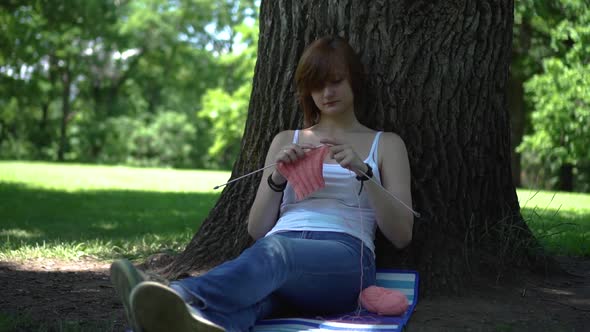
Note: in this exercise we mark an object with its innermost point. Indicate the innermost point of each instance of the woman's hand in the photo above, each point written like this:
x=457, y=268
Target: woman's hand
x=288, y=154
x=292, y=152
x=345, y=155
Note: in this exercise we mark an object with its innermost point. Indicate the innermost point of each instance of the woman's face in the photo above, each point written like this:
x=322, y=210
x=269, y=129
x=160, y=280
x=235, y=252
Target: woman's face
x=334, y=97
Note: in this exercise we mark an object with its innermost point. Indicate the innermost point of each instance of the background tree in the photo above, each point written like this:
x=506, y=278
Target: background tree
x=127, y=65
x=225, y=107
x=557, y=145
x=539, y=35
x=437, y=73
x=94, y=81
x=531, y=38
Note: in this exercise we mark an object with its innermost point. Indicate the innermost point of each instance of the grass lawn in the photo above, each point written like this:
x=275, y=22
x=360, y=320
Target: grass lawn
x=67, y=211
x=560, y=220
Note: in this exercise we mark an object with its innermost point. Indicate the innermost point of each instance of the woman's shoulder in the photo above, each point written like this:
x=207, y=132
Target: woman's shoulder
x=365, y=131
x=288, y=132
x=284, y=137
x=391, y=140
x=389, y=136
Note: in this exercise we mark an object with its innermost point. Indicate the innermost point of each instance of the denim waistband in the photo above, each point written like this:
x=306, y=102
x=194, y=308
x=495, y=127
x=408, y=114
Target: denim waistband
x=320, y=235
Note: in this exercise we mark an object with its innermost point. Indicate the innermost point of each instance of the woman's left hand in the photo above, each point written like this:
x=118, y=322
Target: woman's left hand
x=345, y=155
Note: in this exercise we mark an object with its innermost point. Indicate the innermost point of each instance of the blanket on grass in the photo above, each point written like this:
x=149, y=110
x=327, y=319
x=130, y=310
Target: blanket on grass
x=402, y=280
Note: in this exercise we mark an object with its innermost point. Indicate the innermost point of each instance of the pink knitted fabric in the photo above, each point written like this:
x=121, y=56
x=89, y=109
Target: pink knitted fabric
x=306, y=174
x=383, y=301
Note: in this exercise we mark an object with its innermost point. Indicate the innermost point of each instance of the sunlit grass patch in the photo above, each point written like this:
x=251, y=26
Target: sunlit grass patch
x=77, y=177
x=101, y=249
x=16, y=233
x=561, y=221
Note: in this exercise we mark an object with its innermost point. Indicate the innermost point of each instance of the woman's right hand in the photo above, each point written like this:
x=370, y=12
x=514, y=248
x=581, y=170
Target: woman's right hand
x=288, y=154
x=292, y=152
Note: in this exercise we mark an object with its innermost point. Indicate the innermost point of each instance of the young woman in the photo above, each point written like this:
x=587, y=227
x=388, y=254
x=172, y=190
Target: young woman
x=318, y=255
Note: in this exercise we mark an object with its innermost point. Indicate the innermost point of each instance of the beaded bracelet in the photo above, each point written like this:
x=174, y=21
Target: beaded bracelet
x=275, y=187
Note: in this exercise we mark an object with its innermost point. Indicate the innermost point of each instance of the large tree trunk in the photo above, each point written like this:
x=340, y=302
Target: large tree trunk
x=437, y=72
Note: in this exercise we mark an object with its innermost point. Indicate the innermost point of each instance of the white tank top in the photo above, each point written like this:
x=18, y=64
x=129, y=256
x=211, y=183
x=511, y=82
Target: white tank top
x=334, y=208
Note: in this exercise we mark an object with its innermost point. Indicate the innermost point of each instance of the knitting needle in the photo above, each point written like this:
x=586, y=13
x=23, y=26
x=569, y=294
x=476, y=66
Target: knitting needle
x=258, y=170
x=243, y=176
x=416, y=214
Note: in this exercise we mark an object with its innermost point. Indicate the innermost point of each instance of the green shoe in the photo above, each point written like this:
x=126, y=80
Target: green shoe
x=125, y=277
x=159, y=308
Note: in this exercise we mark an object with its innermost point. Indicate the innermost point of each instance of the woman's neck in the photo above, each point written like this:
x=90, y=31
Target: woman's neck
x=336, y=125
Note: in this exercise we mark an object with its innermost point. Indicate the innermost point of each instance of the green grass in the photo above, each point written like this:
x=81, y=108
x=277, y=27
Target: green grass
x=68, y=211
x=560, y=220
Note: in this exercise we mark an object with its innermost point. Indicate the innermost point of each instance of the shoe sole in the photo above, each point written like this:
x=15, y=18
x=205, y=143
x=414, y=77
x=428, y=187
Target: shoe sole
x=125, y=277
x=158, y=308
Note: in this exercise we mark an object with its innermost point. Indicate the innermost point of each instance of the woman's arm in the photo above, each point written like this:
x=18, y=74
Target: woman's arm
x=265, y=209
x=394, y=219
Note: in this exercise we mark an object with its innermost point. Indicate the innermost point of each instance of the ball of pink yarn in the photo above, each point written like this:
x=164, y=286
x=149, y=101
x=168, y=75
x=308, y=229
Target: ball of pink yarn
x=383, y=301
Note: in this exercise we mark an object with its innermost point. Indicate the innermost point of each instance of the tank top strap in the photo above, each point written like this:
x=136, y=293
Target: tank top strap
x=375, y=147
x=296, y=136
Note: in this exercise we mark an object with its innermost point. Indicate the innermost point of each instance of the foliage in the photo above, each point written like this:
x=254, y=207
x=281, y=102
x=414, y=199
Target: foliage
x=167, y=83
x=227, y=115
x=168, y=140
x=533, y=21
x=544, y=31
x=561, y=99
x=226, y=108
x=98, y=81
x=163, y=139
x=15, y=148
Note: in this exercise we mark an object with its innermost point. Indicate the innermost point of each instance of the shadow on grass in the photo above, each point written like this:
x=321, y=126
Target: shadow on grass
x=37, y=217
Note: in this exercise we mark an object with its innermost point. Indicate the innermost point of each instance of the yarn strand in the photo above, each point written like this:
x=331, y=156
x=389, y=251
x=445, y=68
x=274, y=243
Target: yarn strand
x=359, y=307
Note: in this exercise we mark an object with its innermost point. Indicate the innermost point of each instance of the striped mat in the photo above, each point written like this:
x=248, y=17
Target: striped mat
x=402, y=280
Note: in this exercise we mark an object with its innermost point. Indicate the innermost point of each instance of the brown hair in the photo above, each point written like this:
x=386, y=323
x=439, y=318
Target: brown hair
x=323, y=60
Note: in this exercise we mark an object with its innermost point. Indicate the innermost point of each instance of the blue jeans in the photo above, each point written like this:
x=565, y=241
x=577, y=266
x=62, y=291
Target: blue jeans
x=311, y=272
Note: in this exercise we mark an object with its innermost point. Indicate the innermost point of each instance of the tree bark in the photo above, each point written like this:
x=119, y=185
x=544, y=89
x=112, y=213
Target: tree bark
x=516, y=109
x=42, y=138
x=44, y=135
x=65, y=100
x=436, y=76
x=566, y=177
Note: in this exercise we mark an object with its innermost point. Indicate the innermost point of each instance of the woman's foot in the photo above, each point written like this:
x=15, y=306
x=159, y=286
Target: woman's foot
x=125, y=277
x=159, y=308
